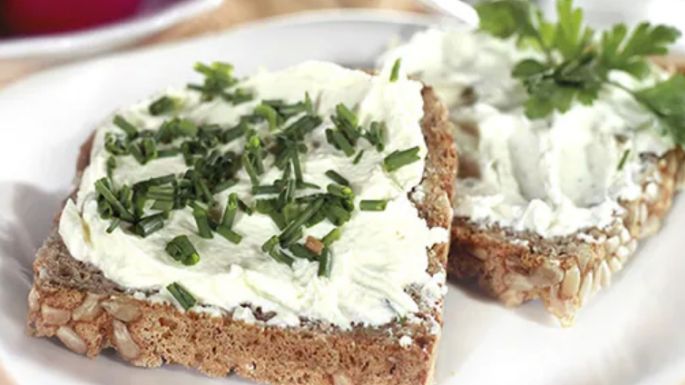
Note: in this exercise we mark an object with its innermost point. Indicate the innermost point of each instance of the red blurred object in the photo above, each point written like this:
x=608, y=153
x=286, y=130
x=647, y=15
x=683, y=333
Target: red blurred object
x=32, y=17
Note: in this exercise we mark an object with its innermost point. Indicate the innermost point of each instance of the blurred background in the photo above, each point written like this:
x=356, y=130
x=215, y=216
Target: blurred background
x=35, y=34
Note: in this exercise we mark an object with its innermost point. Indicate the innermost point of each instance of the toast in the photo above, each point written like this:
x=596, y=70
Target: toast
x=87, y=312
x=514, y=250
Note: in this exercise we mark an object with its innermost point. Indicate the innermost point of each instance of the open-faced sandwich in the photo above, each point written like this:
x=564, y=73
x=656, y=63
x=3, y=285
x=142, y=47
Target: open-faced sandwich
x=569, y=145
x=290, y=227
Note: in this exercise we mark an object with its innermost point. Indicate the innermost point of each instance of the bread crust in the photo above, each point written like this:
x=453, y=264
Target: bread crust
x=89, y=313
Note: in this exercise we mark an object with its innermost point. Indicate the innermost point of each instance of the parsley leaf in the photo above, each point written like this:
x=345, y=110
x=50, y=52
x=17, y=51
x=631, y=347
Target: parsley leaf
x=631, y=55
x=666, y=100
x=577, y=64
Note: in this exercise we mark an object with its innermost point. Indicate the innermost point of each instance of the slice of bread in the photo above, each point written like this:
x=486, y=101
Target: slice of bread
x=564, y=272
x=88, y=313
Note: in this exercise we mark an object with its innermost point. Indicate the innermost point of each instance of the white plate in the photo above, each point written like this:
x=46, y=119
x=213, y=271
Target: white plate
x=100, y=39
x=631, y=333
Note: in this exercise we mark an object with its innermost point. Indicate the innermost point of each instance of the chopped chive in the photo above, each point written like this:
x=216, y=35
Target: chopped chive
x=111, y=165
x=375, y=135
x=163, y=105
x=102, y=188
x=229, y=234
x=230, y=211
x=395, y=72
x=161, y=193
x=304, y=185
x=130, y=130
x=253, y=148
x=402, y=158
x=182, y=250
x=298, y=129
x=281, y=257
x=202, y=190
x=293, y=227
x=337, y=178
x=169, y=152
x=264, y=206
x=339, y=190
x=244, y=207
x=184, y=298
x=332, y=236
x=341, y=141
x=346, y=121
x=160, y=180
x=271, y=247
x=113, y=225
x=225, y=185
x=249, y=169
x=270, y=244
x=148, y=225
x=202, y=222
x=346, y=115
x=308, y=198
x=162, y=205
x=325, y=263
x=358, y=157
x=373, y=205
x=266, y=189
x=234, y=133
x=269, y=114
x=300, y=251
x=336, y=214
x=115, y=145
x=623, y=160
x=297, y=167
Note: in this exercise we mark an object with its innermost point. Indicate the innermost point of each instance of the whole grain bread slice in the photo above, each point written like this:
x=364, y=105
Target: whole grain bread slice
x=88, y=313
x=564, y=272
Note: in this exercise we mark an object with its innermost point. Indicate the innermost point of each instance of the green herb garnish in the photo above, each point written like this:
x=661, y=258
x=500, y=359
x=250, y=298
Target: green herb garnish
x=204, y=229
x=373, y=205
x=130, y=130
x=398, y=159
x=103, y=188
x=182, y=250
x=148, y=225
x=576, y=62
x=395, y=72
x=332, y=236
x=229, y=234
x=184, y=298
x=337, y=178
x=358, y=157
x=325, y=263
x=164, y=105
x=623, y=160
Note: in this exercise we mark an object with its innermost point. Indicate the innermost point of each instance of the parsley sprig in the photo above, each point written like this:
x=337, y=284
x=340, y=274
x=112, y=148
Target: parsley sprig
x=576, y=61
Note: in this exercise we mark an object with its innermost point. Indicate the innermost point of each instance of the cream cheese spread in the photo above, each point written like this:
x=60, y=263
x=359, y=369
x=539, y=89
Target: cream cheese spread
x=379, y=254
x=551, y=176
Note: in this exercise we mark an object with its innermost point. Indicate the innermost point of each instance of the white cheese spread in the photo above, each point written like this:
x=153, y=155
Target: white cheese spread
x=551, y=176
x=377, y=257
